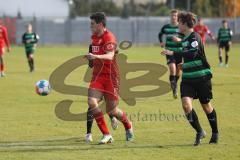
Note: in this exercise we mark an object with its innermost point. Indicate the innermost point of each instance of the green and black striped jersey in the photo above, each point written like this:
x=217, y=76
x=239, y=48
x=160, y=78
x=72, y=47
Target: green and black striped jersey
x=224, y=35
x=169, y=31
x=29, y=40
x=195, y=67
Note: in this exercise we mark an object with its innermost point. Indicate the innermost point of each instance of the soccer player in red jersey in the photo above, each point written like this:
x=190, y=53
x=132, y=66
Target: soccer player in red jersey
x=3, y=41
x=90, y=118
x=105, y=79
x=202, y=29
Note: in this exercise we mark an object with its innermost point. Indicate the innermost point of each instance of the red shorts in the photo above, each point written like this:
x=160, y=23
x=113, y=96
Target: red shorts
x=2, y=51
x=108, y=86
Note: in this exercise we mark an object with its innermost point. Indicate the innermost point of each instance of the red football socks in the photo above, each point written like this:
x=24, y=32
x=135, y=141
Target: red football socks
x=1, y=67
x=124, y=120
x=101, y=123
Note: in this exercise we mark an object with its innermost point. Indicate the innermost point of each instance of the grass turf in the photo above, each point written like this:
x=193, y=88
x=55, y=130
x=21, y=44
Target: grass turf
x=29, y=128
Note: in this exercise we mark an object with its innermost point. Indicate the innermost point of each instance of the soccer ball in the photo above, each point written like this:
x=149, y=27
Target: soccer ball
x=43, y=88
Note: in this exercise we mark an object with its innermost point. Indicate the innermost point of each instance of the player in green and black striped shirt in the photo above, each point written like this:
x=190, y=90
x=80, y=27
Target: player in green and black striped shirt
x=196, y=77
x=172, y=42
x=224, y=41
x=30, y=39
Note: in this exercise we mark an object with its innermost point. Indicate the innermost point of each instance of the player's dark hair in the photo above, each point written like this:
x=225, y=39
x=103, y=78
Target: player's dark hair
x=187, y=18
x=224, y=21
x=174, y=11
x=99, y=17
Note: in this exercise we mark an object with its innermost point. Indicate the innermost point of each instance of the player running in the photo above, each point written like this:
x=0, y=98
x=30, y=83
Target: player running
x=114, y=122
x=224, y=42
x=105, y=79
x=173, y=38
x=202, y=29
x=30, y=39
x=3, y=41
x=196, y=78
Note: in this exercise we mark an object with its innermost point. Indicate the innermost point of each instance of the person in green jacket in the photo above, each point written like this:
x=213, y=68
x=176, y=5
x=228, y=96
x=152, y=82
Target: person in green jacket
x=30, y=40
x=196, y=77
x=224, y=42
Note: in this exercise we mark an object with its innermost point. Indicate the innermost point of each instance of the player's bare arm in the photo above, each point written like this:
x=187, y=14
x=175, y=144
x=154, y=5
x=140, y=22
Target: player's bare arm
x=176, y=39
x=108, y=56
x=167, y=52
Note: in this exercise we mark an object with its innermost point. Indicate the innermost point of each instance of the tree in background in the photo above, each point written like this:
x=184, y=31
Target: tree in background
x=224, y=8
x=19, y=14
x=210, y=8
x=125, y=11
x=215, y=8
x=181, y=5
x=232, y=8
x=130, y=8
x=86, y=7
x=203, y=8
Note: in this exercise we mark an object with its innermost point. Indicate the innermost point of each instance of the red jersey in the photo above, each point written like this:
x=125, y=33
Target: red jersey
x=202, y=30
x=101, y=45
x=3, y=37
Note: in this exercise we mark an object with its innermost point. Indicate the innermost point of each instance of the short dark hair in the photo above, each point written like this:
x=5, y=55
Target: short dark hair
x=99, y=17
x=224, y=21
x=174, y=11
x=187, y=18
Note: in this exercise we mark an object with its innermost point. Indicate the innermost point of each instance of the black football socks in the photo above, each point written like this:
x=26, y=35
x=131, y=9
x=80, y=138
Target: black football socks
x=193, y=120
x=89, y=121
x=212, y=118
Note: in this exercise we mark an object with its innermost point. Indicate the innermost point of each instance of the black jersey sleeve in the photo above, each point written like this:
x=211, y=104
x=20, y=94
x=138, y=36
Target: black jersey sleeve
x=218, y=36
x=160, y=35
x=190, y=47
x=23, y=39
x=90, y=62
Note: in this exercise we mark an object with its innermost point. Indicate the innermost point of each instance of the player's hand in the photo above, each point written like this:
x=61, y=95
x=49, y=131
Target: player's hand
x=179, y=66
x=90, y=56
x=176, y=39
x=28, y=41
x=162, y=44
x=230, y=43
x=167, y=52
x=213, y=38
x=90, y=63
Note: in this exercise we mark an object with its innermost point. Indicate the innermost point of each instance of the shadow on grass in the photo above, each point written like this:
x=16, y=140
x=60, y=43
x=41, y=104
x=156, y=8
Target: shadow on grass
x=76, y=144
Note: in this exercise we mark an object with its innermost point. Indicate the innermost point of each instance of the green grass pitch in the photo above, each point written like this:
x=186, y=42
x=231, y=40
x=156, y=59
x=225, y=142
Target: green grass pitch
x=30, y=130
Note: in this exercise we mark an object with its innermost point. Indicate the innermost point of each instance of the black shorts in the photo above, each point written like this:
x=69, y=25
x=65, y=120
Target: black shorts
x=173, y=59
x=197, y=90
x=28, y=53
x=224, y=45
